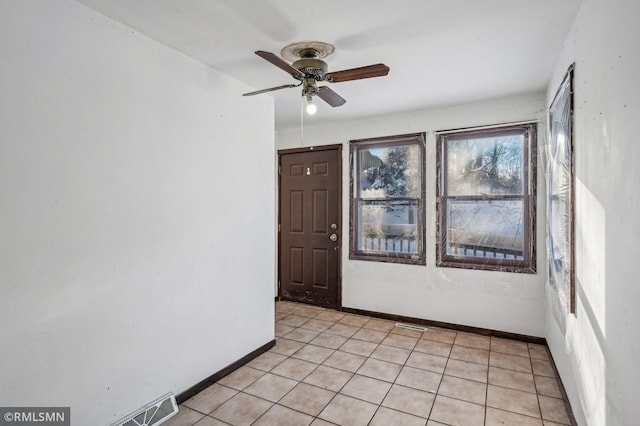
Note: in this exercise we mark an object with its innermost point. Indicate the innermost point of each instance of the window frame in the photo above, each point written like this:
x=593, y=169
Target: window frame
x=355, y=146
x=528, y=197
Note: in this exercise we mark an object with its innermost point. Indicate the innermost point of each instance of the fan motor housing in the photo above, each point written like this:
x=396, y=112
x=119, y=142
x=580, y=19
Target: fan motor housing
x=311, y=67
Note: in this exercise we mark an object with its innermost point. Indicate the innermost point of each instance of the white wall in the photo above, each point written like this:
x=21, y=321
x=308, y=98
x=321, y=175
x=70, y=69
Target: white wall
x=597, y=350
x=500, y=301
x=130, y=177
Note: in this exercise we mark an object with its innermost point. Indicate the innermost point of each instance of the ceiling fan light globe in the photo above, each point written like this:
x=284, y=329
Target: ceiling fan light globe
x=311, y=108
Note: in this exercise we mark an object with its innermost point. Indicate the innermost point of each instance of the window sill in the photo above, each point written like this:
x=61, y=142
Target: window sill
x=388, y=258
x=520, y=268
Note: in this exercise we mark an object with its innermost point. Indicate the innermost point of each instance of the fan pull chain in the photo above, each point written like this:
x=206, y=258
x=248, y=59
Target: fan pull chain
x=301, y=121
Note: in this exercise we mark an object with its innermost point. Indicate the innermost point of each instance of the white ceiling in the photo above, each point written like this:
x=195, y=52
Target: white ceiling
x=440, y=52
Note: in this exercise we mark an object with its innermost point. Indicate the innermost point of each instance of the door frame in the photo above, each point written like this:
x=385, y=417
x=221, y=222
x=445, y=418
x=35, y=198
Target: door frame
x=281, y=152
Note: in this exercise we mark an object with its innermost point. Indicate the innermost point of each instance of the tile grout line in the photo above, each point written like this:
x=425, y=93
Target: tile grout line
x=535, y=386
x=486, y=396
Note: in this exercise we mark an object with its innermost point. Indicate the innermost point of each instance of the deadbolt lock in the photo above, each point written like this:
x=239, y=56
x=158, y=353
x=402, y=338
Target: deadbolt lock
x=333, y=237
x=334, y=226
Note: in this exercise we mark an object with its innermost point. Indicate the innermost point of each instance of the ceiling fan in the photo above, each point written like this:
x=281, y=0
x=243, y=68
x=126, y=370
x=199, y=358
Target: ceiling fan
x=309, y=68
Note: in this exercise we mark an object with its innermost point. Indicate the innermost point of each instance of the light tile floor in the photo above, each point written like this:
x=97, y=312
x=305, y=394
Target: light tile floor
x=331, y=367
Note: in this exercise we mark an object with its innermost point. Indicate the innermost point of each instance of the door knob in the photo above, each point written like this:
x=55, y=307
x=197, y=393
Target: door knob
x=333, y=237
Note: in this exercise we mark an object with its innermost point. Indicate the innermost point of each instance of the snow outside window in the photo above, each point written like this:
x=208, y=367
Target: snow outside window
x=387, y=199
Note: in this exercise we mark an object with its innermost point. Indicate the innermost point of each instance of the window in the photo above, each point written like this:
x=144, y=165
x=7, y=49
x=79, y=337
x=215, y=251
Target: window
x=486, y=199
x=387, y=199
x=560, y=195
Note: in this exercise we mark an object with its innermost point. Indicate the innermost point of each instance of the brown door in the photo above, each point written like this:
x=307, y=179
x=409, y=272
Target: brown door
x=310, y=231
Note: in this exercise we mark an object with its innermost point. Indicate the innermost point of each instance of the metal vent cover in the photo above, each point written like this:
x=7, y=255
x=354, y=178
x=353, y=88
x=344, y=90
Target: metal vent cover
x=154, y=413
x=411, y=326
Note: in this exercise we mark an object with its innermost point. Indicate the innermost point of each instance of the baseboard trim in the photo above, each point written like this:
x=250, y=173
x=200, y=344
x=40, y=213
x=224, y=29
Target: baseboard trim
x=458, y=327
x=202, y=385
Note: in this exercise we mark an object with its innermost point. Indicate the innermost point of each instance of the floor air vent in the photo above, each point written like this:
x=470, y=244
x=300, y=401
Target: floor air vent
x=152, y=414
x=411, y=327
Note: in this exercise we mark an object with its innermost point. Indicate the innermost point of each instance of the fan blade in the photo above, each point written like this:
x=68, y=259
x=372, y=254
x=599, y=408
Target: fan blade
x=330, y=97
x=377, y=70
x=270, y=57
x=257, y=92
